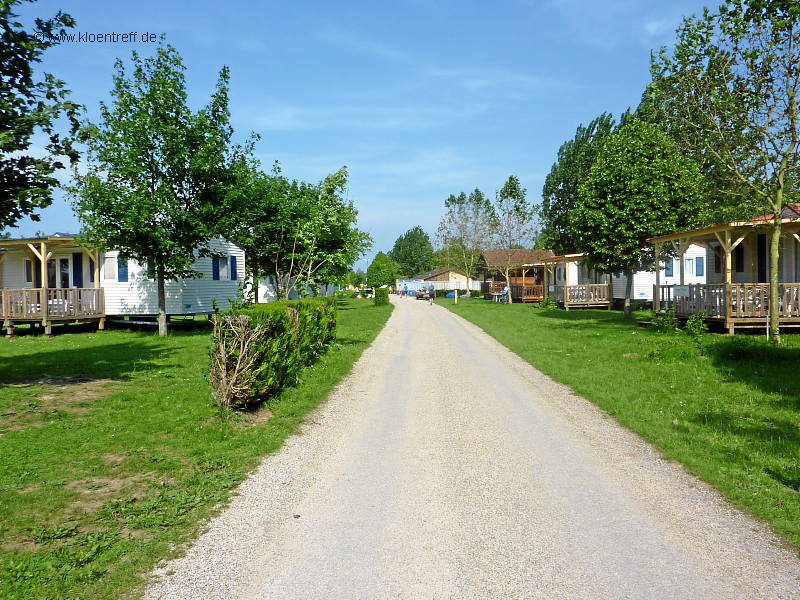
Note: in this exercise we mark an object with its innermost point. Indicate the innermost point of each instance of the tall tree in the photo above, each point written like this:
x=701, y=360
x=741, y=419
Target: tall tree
x=514, y=223
x=730, y=86
x=639, y=187
x=465, y=229
x=560, y=191
x=27, y=106
x=382, y=270
x=301, y=235
x=413, y=251
x=157, y=172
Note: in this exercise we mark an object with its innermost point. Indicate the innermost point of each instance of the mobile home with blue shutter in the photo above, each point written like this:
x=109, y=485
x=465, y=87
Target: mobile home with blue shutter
x=54, y=279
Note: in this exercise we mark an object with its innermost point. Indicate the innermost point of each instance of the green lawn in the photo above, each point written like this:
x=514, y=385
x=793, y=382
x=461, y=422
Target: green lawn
x=113, y=451
x=727, y=408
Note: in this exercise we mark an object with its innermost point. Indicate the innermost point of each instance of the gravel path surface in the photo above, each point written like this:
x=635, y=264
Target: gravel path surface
x=444, y=466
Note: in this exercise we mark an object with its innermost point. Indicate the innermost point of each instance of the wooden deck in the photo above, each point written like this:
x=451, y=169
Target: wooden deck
x=519, y=292
x=51, y=305
x=735, y=304
x=589, y=295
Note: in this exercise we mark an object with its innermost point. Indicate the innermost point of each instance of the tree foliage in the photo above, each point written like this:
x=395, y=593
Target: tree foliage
x=27, y=106
x=301, y=235
x=157, y=172
x=560, y=191
x=413, y=252
x=730, y=87
x=513, y=222
x=382, y=270
x=640, y=186
x=465, y=230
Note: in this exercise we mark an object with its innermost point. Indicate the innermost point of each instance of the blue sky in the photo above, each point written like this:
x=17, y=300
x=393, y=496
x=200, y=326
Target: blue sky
x=418, y=98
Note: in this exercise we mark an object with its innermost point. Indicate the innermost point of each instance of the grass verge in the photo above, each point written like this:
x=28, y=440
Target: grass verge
x=727, y=408
x=113, y=452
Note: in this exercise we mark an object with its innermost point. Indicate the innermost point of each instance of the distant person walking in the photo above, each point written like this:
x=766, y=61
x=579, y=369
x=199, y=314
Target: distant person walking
x=405, y=290
x=431, y=294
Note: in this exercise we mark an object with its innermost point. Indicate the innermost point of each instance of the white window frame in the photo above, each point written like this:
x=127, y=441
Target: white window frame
x=689, y=266
x=28, y=266
x=224, y=264
x=109, y=260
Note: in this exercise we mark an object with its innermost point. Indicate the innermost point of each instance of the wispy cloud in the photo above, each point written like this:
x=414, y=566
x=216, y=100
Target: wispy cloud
x=364, y=45
x=501, y=83
x=290, y=117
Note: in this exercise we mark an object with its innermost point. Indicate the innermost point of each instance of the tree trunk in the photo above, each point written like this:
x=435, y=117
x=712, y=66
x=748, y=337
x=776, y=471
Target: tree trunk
x=774, y=304
x=254, y=274
x=508, y=286
x=162, y=302
x=626, y=308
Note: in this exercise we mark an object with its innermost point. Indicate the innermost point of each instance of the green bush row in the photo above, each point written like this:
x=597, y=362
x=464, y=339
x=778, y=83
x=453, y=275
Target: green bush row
x=260, y=349
x=381, y=296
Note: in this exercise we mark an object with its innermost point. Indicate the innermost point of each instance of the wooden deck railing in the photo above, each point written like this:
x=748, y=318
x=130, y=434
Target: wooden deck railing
x=524, y=293
x=58, y=303
x=587, y=293
x=747, y=300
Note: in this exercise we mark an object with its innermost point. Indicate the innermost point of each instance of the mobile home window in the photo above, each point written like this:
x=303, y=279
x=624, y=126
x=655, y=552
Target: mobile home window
x=221, y=268
x=689, y=266
x=669, y=268
x=700, y=266
x=110, y=268
x=122, y=269
x=28, y=271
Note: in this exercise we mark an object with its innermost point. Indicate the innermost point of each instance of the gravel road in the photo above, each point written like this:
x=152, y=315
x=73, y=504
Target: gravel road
x=445, y=467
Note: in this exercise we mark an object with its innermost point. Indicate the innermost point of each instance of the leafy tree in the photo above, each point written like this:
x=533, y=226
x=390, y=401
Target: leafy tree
x=413, y=251
x=300, y=234
x=249, y=204
x=730, y=89
x=513, y=222
x=560, y=191
x=157, y=172
x=465, y=230
x=28, y=106
x=382, y=270
x=640, y=186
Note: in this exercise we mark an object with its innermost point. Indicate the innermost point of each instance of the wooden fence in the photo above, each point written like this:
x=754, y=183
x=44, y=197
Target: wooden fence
x=52, y=303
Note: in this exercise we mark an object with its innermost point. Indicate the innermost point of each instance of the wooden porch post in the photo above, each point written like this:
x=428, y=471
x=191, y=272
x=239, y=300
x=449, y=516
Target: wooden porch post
x=680, y=247
x=657, y=290
x=43, y=297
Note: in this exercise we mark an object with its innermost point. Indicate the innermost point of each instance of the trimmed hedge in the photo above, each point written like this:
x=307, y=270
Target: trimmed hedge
x=381, y=297
x=259, y=350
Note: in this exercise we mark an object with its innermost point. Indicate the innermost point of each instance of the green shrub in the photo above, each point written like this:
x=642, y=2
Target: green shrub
x=664, y=322
x=346, y=294
x=381, y=297
x=258, y=351
x=547, y=303
x=475, y=294
x=696, y=325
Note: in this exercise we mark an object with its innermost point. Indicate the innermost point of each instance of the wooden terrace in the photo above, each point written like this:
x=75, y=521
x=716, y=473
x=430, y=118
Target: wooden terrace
x=736, y=304
x=571, y=294
x=46, y=303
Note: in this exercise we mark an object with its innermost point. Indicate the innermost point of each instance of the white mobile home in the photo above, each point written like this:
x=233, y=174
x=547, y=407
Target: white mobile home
x=572, y=283
x=55, y=279
x=695, y=271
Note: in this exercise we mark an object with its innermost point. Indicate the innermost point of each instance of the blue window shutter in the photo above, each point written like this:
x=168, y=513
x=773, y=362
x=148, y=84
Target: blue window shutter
x=699, y=266
x=214, y=267
x=77, y=269
x=122, y=269
x=669, y=268
x=233, y=268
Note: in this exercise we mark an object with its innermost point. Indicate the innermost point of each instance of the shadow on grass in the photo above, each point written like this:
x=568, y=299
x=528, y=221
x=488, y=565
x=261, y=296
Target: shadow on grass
x=760, y=365
x=104, y=361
